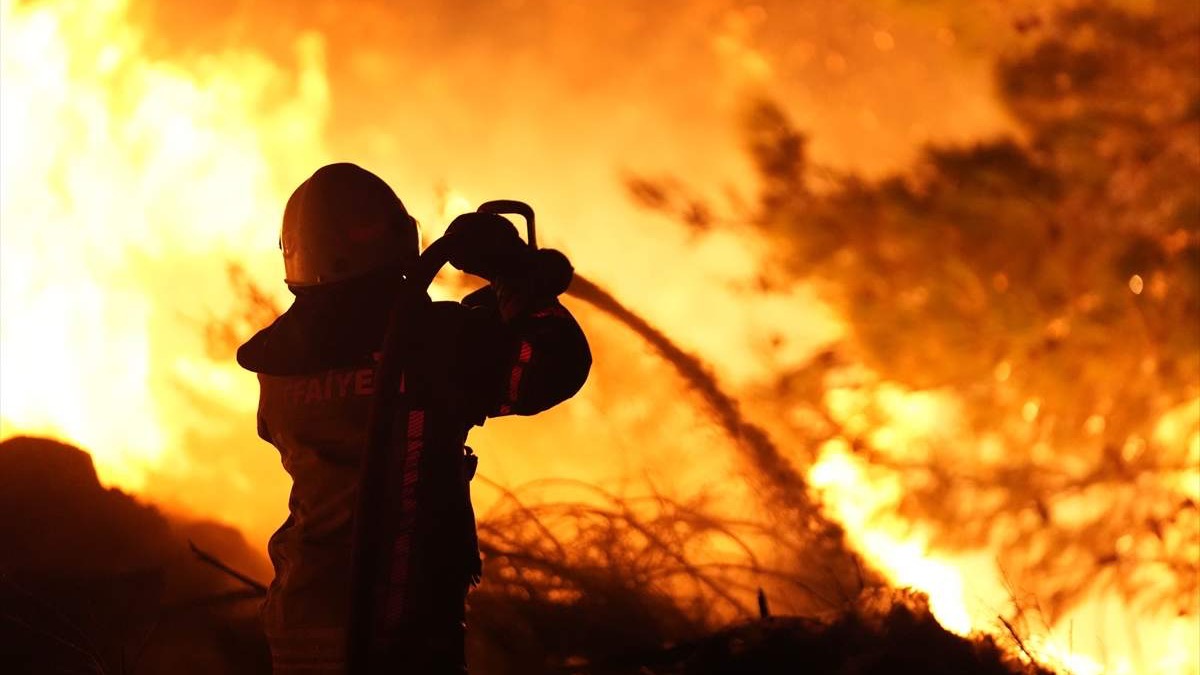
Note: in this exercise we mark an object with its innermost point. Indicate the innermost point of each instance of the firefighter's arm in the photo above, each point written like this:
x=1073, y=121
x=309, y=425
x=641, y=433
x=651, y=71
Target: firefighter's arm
x=541, y=354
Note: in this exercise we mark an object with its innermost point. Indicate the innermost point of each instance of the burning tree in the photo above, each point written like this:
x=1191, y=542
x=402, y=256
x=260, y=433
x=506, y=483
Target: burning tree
x=1045, y=287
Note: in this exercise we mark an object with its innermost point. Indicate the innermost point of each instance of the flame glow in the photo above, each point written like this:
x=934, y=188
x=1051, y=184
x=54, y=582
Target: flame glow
x=123, y=178
x=967, y=592
x=857, y=503
x=129, y=179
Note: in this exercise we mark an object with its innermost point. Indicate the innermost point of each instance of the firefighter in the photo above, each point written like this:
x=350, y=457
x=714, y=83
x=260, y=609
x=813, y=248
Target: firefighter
x=510, y=348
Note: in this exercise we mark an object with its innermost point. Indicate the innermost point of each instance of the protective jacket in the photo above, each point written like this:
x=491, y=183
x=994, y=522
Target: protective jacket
x=317, y=365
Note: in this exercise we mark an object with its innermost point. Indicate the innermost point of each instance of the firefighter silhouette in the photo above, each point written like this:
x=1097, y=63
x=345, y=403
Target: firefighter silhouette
x=375, y=580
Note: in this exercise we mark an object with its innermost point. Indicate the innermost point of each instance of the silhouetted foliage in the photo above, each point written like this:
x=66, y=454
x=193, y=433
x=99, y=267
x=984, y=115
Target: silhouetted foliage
x=99, y=583
x=814, y=545
x=1049, y=286
x=886, y=631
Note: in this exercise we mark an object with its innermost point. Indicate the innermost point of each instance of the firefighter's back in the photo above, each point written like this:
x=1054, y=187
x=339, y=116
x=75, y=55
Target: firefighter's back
x=317, y=366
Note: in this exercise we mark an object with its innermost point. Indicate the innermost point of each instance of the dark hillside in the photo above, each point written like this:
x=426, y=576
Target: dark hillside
x=93, y=581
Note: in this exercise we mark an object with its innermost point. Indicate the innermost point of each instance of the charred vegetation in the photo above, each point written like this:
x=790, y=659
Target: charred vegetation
x=100, y=583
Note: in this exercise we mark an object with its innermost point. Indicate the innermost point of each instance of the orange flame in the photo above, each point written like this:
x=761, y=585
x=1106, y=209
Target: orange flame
x=127, y=180
x=123, y=179
x=968, y=592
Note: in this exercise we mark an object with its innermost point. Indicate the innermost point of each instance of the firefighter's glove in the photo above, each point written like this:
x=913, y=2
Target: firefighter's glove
x=545, y=275
x=487, y=245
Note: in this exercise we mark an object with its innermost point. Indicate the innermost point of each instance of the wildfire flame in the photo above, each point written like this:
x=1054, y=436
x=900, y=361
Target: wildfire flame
x=129, y=179
x=124, y=177
x=968, y=592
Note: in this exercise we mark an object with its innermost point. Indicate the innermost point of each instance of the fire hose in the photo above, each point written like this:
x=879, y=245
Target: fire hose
x=387, y=429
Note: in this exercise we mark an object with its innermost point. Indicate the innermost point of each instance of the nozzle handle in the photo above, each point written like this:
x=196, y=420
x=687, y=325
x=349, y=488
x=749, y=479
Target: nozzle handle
x=513, y=207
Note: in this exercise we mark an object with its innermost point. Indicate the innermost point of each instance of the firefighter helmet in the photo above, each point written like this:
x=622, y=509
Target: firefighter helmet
x=344, y=222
